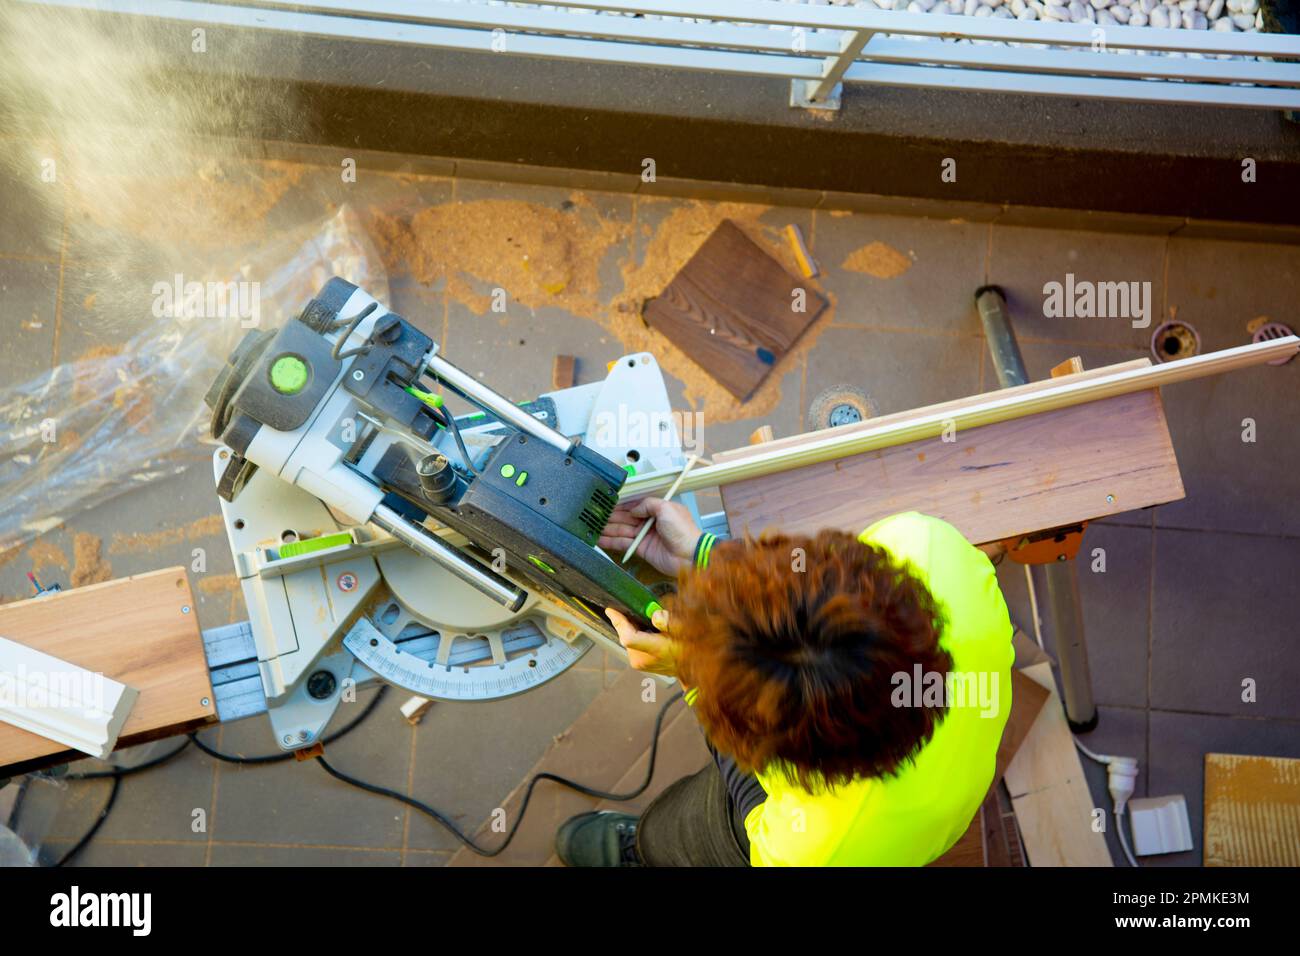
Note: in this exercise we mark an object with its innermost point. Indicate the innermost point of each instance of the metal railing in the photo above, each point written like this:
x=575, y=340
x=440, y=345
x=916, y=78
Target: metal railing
x=818, y=48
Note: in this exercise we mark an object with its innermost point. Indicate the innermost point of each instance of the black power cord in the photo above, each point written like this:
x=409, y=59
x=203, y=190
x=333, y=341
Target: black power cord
x=99, y=822
x=117, y=774
x=528, y=794
x=346, y=729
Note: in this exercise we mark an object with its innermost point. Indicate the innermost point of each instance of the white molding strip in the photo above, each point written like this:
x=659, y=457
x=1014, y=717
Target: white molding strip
x=932, y=421
x=50, y=697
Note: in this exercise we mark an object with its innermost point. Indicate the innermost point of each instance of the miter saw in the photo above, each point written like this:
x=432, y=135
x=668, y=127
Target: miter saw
x=378, y=534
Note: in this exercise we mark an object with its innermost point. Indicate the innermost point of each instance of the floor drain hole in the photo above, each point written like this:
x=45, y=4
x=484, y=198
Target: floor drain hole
x=1274, y=330
x=1175, y=340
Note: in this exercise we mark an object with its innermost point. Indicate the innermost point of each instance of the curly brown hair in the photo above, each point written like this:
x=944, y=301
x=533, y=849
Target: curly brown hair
x=795, y=666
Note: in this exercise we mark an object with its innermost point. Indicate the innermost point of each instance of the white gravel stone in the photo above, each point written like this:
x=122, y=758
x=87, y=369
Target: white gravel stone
x=1199, y=22
x=971, y=7
x=1060, y=14
x=1018, y=7
x=1259, y=20
x=1160, y=18
x=884, y=4
x=983, y=11
x=1105, y=19
x=1100, y=4
x=1243, y=21
x=1234, y=6
x=1029, y=14
x=1224, y=25
x=1138, y=19
x=1076, y=10
x=1215, y=10
x=1120, y=14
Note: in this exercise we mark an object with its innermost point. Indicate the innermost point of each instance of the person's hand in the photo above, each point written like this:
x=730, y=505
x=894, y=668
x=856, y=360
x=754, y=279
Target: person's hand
x=670, y=544
x=655, y=653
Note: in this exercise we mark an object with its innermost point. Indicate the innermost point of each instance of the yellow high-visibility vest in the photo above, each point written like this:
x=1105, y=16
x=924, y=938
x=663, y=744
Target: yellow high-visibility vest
x=913, y=817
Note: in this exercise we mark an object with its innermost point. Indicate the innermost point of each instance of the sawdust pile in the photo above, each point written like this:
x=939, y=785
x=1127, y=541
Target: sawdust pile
x=89, y=565
x=205, y=527
x=539, y=255
x=879, y=260
x=219, y=584
x=552, y=256
x=45, y=555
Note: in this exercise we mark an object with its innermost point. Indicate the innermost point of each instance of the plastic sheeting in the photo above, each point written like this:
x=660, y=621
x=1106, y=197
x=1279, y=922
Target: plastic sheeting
x=105, y=424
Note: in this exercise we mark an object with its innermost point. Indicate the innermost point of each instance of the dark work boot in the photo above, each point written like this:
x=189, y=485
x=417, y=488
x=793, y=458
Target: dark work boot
x=598, y=838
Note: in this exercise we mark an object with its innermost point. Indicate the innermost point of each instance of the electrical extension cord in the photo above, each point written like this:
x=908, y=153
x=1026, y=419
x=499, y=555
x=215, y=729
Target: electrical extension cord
x=117, y=773
x=1121, y=781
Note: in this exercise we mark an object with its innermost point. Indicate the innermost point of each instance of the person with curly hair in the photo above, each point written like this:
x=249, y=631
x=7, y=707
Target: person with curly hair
x=852, y=691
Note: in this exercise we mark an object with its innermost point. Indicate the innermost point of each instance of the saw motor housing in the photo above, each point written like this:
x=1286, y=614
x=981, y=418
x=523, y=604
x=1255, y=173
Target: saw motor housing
x=327, y=403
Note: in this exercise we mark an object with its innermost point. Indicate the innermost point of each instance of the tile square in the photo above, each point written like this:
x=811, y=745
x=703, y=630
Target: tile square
x=902, y=273
x=1224, y=614
x=291, y=802
x=469, y=756
x=898, y=370
x=1023, y=261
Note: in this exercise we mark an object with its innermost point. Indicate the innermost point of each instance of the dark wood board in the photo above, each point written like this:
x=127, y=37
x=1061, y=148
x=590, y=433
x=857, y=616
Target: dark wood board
x=731, y=309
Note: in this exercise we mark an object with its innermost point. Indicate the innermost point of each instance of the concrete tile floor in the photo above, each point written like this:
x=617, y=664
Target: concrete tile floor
x=1195, y=597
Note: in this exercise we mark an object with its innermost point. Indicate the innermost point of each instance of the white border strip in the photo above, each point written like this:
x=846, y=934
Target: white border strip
x=49, y=697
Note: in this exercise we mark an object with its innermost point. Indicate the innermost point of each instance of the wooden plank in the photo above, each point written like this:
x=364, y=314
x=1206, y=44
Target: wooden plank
x=952, y=406
x=1252, y=811
x=936, y=420
x=1027, y=700
x=132, y=630
x=1049, y=791
x=1011, y=478
x=731, y=309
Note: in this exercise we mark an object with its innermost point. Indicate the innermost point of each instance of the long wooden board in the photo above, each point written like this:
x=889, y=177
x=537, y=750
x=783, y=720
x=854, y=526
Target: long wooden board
x=994, y=482
x=134, y=630
x=731, y=308
x=1049, y=791
x=975, y=412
